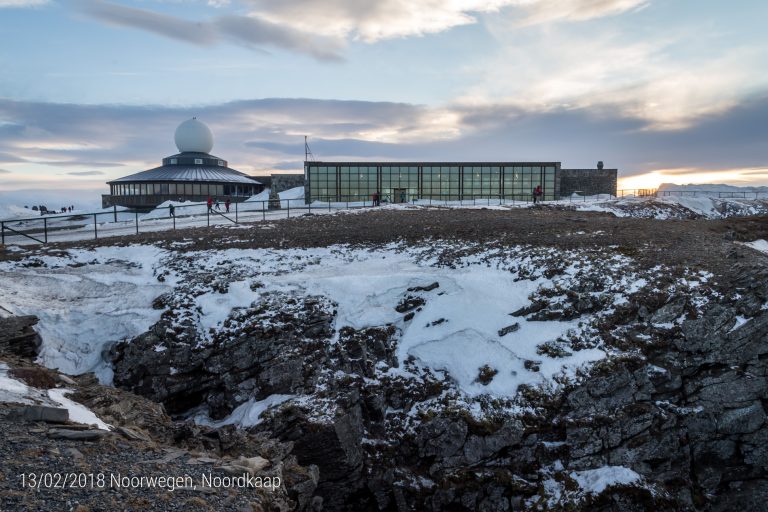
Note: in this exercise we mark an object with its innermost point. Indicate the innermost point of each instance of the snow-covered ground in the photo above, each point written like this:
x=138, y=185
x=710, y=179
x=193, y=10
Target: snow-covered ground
x=678, y=206
x=712, y=189
x=89, y=299
x=86, y=301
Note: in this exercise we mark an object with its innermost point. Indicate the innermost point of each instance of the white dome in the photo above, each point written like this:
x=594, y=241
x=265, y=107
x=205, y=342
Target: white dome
x=194, y=136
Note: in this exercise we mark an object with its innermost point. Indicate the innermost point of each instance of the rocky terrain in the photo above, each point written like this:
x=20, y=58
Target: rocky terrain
x=624, y=370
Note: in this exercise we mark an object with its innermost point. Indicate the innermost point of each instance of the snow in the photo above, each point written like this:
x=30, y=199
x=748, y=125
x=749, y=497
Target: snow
x=9, y=211
x=86, y=300
x=78, y=413
x=261, y=196
x=293, y=197
x=714, y=188
x=247, y=414
x=740, y=320
x=759, y=245
x=13, y=390
x=366, y=286
x=216, y=307
x=183, y=208
x=597, y=480
x=89, y=299
x=684, y=201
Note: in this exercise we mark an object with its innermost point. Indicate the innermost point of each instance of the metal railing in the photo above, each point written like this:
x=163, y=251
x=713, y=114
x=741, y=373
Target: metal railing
x=718, y=194
x=93, y=225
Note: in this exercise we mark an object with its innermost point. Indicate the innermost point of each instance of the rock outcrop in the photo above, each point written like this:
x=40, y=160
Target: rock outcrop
x=679, y=403
x=18, y=337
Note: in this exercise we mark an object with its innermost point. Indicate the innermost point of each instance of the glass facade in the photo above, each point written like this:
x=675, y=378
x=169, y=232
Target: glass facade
x=182, y=189
x=405, y=181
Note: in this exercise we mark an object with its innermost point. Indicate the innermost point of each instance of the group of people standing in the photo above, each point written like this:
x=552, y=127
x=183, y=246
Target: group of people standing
x=44, y=209
x=213, y=204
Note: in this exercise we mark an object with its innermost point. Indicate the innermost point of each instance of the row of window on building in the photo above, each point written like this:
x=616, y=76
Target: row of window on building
x=182, y=189
x=437, y=182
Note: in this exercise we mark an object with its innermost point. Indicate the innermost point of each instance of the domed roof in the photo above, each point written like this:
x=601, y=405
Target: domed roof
x=194, y=136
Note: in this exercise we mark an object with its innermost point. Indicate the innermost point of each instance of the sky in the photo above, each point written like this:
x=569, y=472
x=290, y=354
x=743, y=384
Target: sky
x=663, y=90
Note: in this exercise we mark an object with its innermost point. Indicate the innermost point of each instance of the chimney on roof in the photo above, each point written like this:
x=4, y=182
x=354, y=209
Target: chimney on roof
x=600, y=165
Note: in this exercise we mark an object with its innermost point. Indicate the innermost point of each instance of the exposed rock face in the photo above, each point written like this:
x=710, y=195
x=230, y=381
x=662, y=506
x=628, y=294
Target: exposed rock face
x=681, y=403
x=274, y=351
x=18, y=337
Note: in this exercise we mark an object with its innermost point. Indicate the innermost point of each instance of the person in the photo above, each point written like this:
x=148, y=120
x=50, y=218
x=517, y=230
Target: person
x=210, y=204
x=378, y=198
x=217, y=205
x=536, y=193
x=375, y=198
x=402, y=197
x=171, y=211
x=226, y=204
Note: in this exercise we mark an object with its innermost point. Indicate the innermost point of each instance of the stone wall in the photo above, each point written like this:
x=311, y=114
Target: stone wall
x=281, y=182
x=587, y=181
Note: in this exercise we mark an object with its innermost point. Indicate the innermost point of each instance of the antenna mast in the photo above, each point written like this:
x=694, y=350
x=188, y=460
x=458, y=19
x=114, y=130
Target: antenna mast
x=307, y=152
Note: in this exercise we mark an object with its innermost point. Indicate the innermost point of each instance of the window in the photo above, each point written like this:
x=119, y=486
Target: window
x=174, y=161
x=221, y=163
x=198, y=161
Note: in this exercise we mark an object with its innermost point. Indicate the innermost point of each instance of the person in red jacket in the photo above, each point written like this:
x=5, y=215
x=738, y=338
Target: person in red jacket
x=537, y=193
x=210, y=204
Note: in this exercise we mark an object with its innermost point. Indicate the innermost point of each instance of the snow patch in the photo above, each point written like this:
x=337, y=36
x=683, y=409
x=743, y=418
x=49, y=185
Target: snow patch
x=759, y=245
x=247, y=414
x=597, y=480
x=78, y=413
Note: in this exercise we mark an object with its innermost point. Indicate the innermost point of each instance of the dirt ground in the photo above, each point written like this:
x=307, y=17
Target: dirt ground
x=708, y=244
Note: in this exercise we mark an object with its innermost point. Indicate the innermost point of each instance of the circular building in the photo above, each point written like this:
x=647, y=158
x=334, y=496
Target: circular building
x=191, y=175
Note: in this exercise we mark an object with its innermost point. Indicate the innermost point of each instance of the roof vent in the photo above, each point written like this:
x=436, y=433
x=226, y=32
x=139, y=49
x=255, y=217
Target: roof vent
x=600, y=165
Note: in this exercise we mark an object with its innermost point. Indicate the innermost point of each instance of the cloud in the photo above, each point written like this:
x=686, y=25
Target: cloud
x=86, y=173
x=374, y=20
x=247, y=31
x=3, y=171
x=81, y=163
x=543, y=11
x=21, y=3
x=9, y=158
x=268, y=135
x=322, y=29
x=541, y=69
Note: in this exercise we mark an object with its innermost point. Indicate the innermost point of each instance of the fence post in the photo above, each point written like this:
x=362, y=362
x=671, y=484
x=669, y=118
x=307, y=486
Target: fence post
x=236, y=212
x=174, y=221
x=95, y=229
x=309, y=207
x=329, y=204
x=136, y=214
x=114, y=209
x=289, y=208
x=263, y=211
x=2, y=229
x=45, y=229
x=208, y=215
